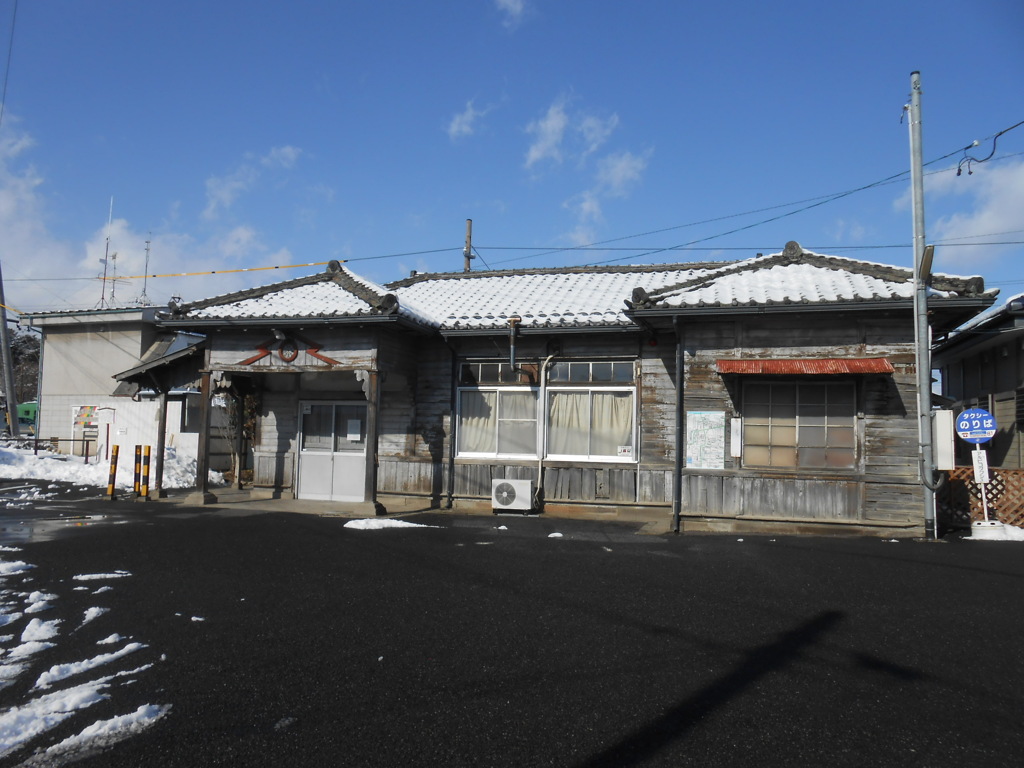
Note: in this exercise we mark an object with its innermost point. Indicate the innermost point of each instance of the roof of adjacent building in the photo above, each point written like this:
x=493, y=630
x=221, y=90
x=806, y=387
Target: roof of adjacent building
x=577, y=297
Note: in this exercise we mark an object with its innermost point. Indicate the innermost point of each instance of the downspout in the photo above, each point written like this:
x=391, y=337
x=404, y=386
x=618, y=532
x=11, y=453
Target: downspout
x=452, y=437
x=513, y=327
x=677, y=472
x=538, y=494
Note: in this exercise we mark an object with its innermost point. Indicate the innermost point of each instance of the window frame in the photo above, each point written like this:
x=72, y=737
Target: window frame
x=498, y=391
x=591, y=390
x=846, y=423
x=470, y=371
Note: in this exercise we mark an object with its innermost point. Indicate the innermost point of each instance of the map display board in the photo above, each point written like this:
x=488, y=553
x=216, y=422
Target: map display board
x=705, y=439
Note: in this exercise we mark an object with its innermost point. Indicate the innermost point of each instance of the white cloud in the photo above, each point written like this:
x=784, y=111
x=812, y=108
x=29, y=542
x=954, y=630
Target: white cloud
x=848, y=232
x=596, y=131
x=587, y=207
x=43, y=272
x=463, y=124
x=513, y=10
x=222, y=191
x=281, y=157
x=618, y=172
x=994, y=205
x=548, y=133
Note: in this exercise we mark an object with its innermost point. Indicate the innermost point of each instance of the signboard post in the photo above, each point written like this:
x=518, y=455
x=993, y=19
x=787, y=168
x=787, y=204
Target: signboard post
x=977, y=426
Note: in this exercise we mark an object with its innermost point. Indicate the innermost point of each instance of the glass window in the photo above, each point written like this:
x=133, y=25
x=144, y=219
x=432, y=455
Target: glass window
x=807, y=425
x=498, y=422
x=591, y=424
x=590, y=410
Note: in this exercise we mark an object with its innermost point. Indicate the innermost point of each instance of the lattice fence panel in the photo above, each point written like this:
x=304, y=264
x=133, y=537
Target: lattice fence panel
x=959, y=500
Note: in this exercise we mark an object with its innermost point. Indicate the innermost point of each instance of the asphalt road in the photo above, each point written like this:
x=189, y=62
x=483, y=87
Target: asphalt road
x=290, y=640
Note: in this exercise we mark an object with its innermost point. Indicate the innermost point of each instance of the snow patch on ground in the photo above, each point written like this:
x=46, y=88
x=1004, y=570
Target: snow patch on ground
x=101, y=576
x=374, y=524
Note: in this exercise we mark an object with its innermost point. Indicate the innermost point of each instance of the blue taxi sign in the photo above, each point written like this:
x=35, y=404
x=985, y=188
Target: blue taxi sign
x=976, y=425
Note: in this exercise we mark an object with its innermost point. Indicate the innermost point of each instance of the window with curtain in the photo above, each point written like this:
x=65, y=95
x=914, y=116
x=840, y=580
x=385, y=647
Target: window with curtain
x=595, y=424
x=590, y=411
x=799, y=424
x=498, y=422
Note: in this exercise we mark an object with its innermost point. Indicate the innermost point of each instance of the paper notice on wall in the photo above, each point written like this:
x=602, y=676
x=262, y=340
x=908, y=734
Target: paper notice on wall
x=705, y=439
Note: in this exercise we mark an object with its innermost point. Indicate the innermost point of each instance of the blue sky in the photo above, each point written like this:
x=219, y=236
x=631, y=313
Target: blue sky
x=235, y=135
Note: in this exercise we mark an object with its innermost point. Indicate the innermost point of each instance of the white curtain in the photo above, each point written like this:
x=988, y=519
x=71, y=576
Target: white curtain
x=478, y=419
x=611, y=421
x=591, y=423
x=569, y=424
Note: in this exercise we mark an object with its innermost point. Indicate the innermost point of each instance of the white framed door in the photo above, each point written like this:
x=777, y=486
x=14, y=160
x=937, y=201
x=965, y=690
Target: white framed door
x=332, y=451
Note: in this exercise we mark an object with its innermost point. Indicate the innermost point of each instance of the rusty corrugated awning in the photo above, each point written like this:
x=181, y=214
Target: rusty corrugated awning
x=820, y=365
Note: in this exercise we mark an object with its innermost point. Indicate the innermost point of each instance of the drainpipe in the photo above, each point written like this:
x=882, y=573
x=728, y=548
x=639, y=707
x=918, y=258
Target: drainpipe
x=538, y=494
x=677, y=472
x=452, y=436
x=513, y=327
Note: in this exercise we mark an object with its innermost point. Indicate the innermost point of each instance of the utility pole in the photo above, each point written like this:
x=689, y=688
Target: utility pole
x=922, y=331
x=467, y=252
x=5, y=341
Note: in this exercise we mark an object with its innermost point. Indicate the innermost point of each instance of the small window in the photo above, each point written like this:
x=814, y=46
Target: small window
x=807, y=425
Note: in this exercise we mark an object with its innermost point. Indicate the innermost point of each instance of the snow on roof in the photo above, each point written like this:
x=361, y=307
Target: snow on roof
x=323, y=299
x=544, y=298
x=575, y=297
x=796, y=276
x=336, y=293
x=788, y=283
x=991, y=315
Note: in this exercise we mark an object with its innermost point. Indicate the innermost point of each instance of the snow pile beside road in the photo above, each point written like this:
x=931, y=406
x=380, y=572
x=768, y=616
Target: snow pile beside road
x=23, y=464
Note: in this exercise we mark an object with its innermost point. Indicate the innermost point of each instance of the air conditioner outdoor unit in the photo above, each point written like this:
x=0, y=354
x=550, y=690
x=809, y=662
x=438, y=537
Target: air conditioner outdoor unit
x=512, y=495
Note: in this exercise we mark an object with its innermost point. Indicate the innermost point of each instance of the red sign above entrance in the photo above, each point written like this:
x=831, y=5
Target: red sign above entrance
x=288, y=349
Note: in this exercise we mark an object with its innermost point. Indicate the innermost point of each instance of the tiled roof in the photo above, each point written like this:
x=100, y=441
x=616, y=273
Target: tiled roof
x=336, y=293
x=795, y=276
x=545, y=298
x=575, y=297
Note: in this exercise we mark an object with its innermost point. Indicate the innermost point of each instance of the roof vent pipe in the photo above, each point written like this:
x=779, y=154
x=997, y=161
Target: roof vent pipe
x=513, y=326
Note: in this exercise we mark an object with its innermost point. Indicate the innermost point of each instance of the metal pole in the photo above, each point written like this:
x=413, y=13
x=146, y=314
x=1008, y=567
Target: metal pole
x=5, y=342
x=922, y=340
x=467, y=253
x=677, y=471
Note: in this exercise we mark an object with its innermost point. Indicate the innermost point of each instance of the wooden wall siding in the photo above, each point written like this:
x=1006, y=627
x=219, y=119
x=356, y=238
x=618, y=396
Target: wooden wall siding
x=352, y=349
x=397, y=352
x=657, y=394
x=432, y=418
x=407, y=477
x=475, y=479
x=655, y=486
x=749, y=496
x=589, y=484
x=274, y=453
x=893, y=502
x=1006, y=449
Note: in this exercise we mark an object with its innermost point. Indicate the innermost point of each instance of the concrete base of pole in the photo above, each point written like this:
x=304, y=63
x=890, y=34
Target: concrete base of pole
x=200, y=498
x=987, y=529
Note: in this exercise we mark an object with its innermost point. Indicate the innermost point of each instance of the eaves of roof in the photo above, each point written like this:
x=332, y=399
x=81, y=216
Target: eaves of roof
x=159, y=362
